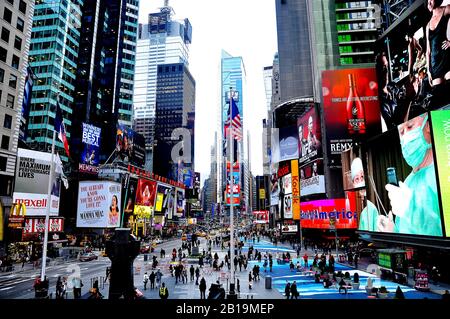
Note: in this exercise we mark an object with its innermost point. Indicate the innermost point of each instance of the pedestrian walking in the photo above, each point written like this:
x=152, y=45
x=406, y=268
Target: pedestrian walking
x=294, y=291
x=77, y=284
x=250, y=280
x=152, y=280
x=197, y=275
x=158, y=277
x=202, y=288
x=192, y=272
x=287, y=290
x=145, y=280
x=59, y=288
x=163, y=291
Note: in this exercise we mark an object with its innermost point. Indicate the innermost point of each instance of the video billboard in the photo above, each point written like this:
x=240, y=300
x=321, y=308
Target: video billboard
x=274, y=187
x=261, y=217
x=321, y=213
x=402, y=192
x=288, y=143
x=98, y=204
x=129, y=190
x=411, y=65
x=180, y=203
x=162, y=197
x=236, y=185
x=312, y=179
x=351, y=108
x=145, y=198
x=309, y=137
x=441, y=132
x=352, y=168
x=130, y=146
x=31, y=183
x=90, y=156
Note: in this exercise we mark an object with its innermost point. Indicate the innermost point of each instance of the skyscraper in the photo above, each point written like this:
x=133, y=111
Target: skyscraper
x=105, y=73
x=175, y=109
x=161, y=41
x=53, y=57
x=232, y=76
x=15, y=27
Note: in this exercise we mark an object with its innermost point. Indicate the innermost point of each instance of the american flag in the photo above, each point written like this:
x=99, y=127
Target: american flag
x=235, y=122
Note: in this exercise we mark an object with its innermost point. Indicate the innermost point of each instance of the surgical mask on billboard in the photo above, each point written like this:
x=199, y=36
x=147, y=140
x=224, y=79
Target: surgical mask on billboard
x=414, y=145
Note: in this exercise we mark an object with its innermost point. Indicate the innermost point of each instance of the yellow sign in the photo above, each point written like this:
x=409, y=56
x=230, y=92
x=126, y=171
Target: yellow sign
x=262, y=193
x=143, y=211
x=295, y=190
x=159, y=202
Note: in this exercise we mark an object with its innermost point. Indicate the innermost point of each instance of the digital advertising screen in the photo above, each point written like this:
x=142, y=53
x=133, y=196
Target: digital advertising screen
x=129, y=190
x=412, y=69
x=312, y=178
x=402, y=191
x=180, y=203
x=260, y=217
x=441, y=133
x=130, y=146
x=274, y=187
x=162, y=196
x=309, y=137
x=90, y=156
x=352, y=168
x=351, y=108
x=288, y=143
x=145, y=198
x=319, y=213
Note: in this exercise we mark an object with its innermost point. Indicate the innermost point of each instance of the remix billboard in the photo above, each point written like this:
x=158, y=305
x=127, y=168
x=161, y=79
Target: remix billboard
x=90, y=156
x=312, y=179
x=130, y=146
x=402, y=192
x=441, y=132
x=31, y=183
x=98, y=204
x=319, y=213
x=412, y=65
x=309, y=136
x=351, y=108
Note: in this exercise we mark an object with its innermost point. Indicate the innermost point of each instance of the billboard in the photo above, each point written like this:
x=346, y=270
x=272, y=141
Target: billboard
x=37, y=225
x=312, y=179
x=162, y=196
x=295, y=190
x=236, y=185
x=261, y=217
x=402, y=192
x=26, y=104
x=90, y=156
x=288, y=143
x=351, y=108
x=412, y=66
x=352, y=168
x=318, y=213
x=287, y=206
x=130, y=146
x=274, y=187
x=309, y=137
x=441, y=132
x=31, y=183
x=98, y=204
x=289, y=227
x=145, y=198
x=129, y=190
x=180, y=203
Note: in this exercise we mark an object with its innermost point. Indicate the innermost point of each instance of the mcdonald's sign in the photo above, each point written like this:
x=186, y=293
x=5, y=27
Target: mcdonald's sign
x=17, y=216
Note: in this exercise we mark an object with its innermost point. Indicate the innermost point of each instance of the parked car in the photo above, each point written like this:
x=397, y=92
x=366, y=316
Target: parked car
x=88, y=257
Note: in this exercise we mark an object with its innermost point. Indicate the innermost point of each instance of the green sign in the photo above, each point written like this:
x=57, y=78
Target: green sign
x=384, y=260
x=441, y=133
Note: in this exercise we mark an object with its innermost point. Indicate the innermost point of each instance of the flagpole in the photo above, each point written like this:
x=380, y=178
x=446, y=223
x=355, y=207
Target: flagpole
x=231, y=149
x=47, y=214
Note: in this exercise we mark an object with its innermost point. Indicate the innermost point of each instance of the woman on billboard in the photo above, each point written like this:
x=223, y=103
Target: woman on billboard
x=438, y=47
x=114, y=212
x=415, y=201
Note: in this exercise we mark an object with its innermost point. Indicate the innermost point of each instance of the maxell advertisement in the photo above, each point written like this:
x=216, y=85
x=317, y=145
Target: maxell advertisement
x=351, y=109
x=441, y=134
x=90, y=155
x=402, y=191
x=130, y=146
x=309, y=136
x=98, y=204
x=31, y=183
x=312, y=179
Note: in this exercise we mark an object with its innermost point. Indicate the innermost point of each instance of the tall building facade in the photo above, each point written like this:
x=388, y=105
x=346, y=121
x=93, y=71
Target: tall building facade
x=161, y=41
x=15, y=27
x=175, y=108
x=105, y=72
x=53, y=57
x=232, y=76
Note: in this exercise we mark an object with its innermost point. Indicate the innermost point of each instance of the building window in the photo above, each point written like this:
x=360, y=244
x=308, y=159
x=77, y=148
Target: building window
x=5, y=34
x=15, y=62
x=5, y=142
x=3, y=162
x=8, y=121
x=22, y=7
x=20, y=24
x=3, y=54
x=2, y=75
x=7, y=15
x=11, y=2
x=10, y=101
x=18, y=43
x=12, y=81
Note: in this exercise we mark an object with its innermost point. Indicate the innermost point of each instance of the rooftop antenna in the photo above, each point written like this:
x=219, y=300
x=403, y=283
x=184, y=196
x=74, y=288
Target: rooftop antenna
x=167, y=8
